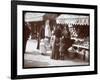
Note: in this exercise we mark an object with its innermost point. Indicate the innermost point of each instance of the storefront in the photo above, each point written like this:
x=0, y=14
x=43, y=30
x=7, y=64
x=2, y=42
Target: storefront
x=79, y=28
x=36, y=22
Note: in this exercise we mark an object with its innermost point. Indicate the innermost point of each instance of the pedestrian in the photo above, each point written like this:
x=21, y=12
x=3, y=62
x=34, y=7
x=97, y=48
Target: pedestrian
x=65, y=43
x=47, y=31
x=55, y=49
x=27, y=31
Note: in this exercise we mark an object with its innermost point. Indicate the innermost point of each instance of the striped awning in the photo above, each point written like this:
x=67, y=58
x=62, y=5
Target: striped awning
x=72, y=19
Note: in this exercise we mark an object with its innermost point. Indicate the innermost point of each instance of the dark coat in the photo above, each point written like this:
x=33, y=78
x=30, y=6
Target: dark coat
x=65, y=43
x=27, y=32
x=55, y=49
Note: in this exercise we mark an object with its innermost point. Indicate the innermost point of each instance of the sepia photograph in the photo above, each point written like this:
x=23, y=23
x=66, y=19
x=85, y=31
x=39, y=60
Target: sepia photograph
x=55, y=39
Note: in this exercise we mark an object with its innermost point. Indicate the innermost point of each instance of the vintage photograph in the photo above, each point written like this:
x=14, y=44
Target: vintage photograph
x=55, y=39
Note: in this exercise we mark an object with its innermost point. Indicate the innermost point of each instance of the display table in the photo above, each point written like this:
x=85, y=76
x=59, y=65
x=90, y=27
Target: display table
x=81, y=47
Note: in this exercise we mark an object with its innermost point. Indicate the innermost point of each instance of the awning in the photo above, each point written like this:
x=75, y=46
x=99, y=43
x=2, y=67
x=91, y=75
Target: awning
x=72, y=19
x=29, y=16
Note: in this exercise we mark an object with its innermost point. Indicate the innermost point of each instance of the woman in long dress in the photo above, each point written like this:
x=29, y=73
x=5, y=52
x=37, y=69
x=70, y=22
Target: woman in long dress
x=56, y=45
x=55, y=51
x=65, y=43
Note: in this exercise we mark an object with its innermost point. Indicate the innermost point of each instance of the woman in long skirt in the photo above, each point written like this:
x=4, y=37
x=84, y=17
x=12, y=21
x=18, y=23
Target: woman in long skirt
x=56, y=44
x=65, y=43
x=55, y=49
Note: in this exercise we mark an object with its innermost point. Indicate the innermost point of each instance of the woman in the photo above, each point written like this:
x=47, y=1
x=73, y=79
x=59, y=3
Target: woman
x=55, y=49
x=65, y=43
x=56, y=45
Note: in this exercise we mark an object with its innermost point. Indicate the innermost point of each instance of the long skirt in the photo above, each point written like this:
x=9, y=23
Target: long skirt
x=55, y=49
